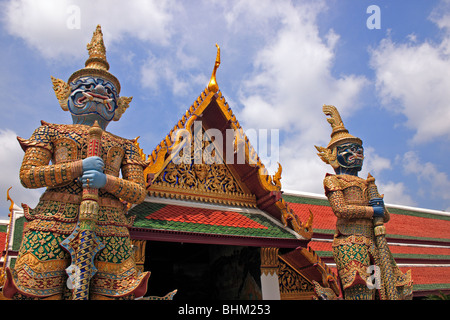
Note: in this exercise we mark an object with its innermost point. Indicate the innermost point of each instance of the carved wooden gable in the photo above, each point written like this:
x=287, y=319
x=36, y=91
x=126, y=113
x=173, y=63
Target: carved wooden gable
x=293, y=285
x=199, y=172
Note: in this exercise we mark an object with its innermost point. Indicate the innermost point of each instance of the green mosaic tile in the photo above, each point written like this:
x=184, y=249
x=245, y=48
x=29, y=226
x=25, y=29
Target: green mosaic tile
x=143, y=210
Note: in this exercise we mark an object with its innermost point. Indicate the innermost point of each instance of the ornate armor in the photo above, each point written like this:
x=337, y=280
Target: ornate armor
x=353, y=245
x=40, y=269
x=359, y=246
x=79, y=227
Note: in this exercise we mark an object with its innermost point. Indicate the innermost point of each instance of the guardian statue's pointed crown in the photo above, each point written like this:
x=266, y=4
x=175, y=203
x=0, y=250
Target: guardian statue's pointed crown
x=96, y=64
x=339, y=136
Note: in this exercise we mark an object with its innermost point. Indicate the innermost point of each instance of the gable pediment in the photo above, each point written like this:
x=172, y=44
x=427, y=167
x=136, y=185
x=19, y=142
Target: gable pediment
x=240, y=180
x=197, y=171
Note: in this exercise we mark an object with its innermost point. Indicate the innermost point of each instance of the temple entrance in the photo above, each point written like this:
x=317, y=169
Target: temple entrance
x=203, y=271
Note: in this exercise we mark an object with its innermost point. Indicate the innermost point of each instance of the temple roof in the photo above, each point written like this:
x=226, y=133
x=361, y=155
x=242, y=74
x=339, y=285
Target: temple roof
x=242, y=182
x=197, y=222
x=3, y=234
x=419, y=239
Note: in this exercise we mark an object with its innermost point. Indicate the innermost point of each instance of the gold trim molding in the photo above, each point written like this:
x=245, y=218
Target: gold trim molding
x=139, y=253
x=184, y=193
x=269, y=261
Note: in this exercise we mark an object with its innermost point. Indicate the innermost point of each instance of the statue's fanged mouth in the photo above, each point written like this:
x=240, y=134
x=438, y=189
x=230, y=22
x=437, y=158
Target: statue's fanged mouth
x=95, y=97
x=356, y=156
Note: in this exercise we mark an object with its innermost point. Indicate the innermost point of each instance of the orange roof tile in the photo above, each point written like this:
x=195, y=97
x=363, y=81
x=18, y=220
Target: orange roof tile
x=2, y=242
x=406, y=225
x=403, y=225
x=428, y=275
x=324, y=217
x=204, y=216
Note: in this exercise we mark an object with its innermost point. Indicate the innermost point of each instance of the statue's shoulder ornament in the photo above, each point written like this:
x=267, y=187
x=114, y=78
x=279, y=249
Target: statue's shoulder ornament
x=41, y=137
x=340, y=182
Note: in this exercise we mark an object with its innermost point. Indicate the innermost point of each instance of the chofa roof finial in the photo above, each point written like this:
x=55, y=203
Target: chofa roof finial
x=212, y=85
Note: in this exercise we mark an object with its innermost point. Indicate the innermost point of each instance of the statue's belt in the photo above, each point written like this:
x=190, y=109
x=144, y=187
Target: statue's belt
x=76, y=199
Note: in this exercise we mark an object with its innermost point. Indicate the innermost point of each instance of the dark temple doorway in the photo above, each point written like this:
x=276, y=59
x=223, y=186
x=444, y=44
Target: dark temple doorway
x=203, y=271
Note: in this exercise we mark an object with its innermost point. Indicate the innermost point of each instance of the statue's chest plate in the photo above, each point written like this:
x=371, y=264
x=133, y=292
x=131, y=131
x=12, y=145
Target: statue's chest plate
x=354, y=190
x=354, y=195
x=71, y=145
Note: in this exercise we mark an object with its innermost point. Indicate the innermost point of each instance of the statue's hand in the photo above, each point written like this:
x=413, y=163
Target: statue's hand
x=93, y=163
x=378, y=207
x=93, y=179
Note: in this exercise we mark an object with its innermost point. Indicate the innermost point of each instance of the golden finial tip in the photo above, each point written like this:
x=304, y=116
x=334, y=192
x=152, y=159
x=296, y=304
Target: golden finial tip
x=97, y=51
x=9, y=198
x=213, y=86
x=339, y=133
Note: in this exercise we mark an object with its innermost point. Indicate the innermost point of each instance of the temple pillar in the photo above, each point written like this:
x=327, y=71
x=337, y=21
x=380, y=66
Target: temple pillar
x=139, y=253
x=270, y=287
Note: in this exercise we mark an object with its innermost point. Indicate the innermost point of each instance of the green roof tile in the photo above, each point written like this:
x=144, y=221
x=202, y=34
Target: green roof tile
x=268, y=228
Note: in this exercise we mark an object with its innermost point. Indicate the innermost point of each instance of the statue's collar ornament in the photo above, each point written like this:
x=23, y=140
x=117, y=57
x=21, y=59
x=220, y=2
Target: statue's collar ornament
x=92, y=93
x=344, y=151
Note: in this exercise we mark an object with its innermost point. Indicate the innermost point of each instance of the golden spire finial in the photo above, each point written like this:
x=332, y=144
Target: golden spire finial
x=335, y=118
x=212, y=85
x=97, y=51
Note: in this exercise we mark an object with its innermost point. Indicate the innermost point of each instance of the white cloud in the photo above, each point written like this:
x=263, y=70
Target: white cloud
x=293, y=74
x=43, y=24
x=159, y=72
x=412, y=79
x=396, y=193
x=441, y=14
x=374, y=163
x=434, y=183
x=290, y=81
x=302, y=168
x=11, y=155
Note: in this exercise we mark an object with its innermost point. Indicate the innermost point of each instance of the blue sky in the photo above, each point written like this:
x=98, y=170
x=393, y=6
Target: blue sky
x=281, y=61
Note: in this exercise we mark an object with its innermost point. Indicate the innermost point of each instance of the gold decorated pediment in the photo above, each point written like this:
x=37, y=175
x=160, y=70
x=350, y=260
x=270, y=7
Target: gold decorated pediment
x=293, y=284
x=246, y=182
x=198, y=172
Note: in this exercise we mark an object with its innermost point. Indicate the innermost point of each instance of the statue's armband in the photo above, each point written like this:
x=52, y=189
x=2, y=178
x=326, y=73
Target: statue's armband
x=132, y=187
x=36, y=172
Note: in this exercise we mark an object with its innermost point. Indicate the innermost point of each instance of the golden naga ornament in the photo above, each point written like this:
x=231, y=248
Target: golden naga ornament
x=62, y=92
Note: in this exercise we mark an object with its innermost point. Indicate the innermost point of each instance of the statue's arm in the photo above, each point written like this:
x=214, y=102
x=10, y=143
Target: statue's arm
x=36, y=172
x=131, y=187
x=343, y=210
